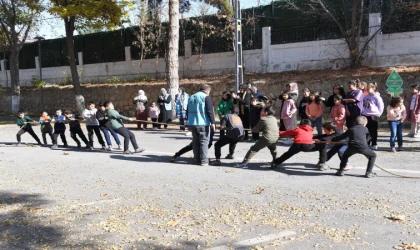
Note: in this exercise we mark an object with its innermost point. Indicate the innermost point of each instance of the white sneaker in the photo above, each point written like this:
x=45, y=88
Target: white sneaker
x=374, y=147
x=119, y=146
x=188, y=134
x=109, y=148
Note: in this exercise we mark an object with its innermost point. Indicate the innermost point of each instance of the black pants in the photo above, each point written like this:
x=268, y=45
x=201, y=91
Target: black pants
x=372, y=126
x=97, y=131
x=154, y=120
x=27, y=128
x=224, y=140
x=255, y=136
x=128, y=136
x=370, y=154
x=62, y=136
x=186, y=149
x=44, y=137
x=79, y=132
x=297, y=148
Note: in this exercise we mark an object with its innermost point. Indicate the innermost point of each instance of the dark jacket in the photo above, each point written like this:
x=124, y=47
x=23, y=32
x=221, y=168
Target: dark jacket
x=244, y=103
x=234, y=127
x=59, y=123
x=102, y=118
x=325, y=137
x=255, y=114
x=74, y=124
x=21, y=122
x=358, y=137
x=302, y=107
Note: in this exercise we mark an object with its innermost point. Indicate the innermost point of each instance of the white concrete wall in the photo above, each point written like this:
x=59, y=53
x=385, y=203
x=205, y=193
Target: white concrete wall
x=308, y=55
x=397, y=49
x=385, y=50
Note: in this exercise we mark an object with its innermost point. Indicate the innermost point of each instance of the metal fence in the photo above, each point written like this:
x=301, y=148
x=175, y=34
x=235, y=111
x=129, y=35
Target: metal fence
x=304, y=34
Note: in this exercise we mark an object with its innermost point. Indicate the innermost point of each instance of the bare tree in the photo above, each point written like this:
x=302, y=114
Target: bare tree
x=17, y=18
x=172, y=62
x=349, y=16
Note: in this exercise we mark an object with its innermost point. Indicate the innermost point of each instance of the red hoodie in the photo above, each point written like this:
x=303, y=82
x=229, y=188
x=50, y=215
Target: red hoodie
x=302, y=134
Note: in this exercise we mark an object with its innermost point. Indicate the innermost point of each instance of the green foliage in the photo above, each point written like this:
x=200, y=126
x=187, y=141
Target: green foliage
x=92, y=14
x=66, y=78
x=37, y=83
x=114, y=80
x=144, y=79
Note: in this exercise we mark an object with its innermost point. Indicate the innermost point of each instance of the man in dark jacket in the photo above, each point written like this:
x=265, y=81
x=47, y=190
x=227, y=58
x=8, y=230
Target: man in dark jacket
x=243, y=100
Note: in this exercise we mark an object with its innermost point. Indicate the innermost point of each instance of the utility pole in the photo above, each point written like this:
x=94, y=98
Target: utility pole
x=239, y=71
x=39, y=39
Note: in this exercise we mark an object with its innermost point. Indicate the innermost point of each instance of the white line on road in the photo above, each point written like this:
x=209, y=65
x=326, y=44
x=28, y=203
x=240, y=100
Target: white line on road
x=255, y=241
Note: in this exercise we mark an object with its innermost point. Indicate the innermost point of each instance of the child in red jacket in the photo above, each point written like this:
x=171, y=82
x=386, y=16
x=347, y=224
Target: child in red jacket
x=302, y=143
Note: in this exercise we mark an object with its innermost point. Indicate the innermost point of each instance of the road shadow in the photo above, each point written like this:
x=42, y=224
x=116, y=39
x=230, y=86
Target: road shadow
x=23, y=226
x=154, y=159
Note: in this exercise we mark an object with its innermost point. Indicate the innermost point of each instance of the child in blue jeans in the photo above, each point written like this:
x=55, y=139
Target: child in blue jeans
x=396, y=114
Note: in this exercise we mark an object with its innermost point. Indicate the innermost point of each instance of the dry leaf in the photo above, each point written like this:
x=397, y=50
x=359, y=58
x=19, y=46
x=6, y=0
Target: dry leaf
x=202, y=189
x=66, y=153
x=173, y=223
x=258, y=191
x=230, y=171
x=397, y=217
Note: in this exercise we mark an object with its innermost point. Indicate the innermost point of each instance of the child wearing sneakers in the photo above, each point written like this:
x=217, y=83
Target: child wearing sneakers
x=154, y=112
x=59, y=128
x=46, y=128
x=75, y=129
x=92, y=125
x=302, y=143
x=269, y=128
x=331, y=131
x=396, y=114
x=24, y=122
x=358, y=137
x=106, y=130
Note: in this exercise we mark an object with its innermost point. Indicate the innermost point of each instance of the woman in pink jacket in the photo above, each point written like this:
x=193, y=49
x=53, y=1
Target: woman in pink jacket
x=413, y=110
x=287, y=115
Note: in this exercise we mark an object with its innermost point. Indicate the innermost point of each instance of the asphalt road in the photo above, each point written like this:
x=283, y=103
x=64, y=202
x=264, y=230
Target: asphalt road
x=77, y=199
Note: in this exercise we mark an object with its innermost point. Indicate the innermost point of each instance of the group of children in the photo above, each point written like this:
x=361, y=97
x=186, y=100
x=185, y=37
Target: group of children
x=96, y=121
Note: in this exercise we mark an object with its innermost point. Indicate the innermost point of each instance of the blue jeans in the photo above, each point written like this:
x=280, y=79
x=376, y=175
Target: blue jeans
x=318, y=124
x=200, y=143
x=108, y=138
x=396, y=133
x=336, y=149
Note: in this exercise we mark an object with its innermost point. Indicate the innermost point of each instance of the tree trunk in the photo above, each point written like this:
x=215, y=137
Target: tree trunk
x=353, y=36
x=14, y=79
x=173, y=64
x=80, y=100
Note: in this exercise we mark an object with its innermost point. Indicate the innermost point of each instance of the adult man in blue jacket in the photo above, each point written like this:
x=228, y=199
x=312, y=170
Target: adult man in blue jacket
x=200, y=117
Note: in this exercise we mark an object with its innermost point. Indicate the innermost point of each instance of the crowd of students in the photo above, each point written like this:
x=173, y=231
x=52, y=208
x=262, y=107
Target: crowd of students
x=358, y=111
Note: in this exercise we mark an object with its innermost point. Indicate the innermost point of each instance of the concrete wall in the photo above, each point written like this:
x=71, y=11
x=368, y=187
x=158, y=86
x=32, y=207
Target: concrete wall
x=384, y=50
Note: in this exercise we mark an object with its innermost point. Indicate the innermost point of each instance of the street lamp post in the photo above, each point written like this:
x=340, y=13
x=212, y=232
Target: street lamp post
x=39, y=38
